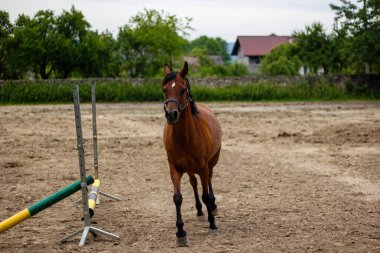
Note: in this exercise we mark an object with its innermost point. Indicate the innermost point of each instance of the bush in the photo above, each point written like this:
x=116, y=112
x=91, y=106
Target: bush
x=282, y=66
x=15, y=93
x=223, y=70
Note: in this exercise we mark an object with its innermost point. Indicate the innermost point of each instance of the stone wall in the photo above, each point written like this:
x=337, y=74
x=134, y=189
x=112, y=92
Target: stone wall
x=371, y=81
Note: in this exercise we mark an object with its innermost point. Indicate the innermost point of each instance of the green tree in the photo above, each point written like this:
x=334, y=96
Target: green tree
x=282, y=60
x=109, y=56
x=5, y=32
x=341, y=57
x=361, y=20
x=151, y=38
x=203, y=48
x=70, y=33
x=57, y=46
x=132, y=53
x=97, y=58
x=32, y=43
x=202, y=55
x=213, y=46
x=314, y=47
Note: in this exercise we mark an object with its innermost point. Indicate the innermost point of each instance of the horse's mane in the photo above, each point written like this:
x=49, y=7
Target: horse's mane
x=193, y=105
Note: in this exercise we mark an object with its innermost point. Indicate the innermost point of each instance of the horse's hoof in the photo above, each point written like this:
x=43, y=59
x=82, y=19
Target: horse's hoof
x=182, y=241
x=215, y=211
x=213, y=232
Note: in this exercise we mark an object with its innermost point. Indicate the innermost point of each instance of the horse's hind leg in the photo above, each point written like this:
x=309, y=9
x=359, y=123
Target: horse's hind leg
x=194, y=184
x=211, y=165
x=207, y=200
x=212, y=198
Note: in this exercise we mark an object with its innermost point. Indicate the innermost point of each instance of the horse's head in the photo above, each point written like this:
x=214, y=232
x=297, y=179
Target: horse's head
x=177, y=93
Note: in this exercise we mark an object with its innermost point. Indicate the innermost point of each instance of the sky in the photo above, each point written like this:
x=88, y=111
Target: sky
x=214, y=18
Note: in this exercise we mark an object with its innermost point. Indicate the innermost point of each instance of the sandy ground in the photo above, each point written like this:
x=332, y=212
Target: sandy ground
x=292, y=177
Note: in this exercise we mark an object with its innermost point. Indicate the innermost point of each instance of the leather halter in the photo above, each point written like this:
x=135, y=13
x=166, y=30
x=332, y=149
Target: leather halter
x=184, y=105
x=174, y=100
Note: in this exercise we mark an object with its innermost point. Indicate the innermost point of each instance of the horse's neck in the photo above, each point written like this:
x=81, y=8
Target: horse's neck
x=187, y=125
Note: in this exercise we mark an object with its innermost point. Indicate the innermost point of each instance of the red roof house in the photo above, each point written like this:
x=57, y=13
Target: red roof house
x=251, y=49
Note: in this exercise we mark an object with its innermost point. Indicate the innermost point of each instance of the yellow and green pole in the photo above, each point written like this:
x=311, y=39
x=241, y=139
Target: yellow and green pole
x=43, y=204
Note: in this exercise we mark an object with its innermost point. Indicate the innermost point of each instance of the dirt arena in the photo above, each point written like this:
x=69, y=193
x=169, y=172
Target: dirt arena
x=292, y=177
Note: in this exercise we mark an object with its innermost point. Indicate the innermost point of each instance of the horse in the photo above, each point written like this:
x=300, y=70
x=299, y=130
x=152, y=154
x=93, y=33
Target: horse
x=192, y=139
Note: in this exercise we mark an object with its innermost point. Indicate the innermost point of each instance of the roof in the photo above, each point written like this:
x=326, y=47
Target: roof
x=258, y=45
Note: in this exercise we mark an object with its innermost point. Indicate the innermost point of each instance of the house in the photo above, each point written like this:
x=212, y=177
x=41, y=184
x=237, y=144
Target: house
x=251, y=49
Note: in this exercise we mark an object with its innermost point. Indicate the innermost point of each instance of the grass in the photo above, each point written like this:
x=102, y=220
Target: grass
x=38, y=93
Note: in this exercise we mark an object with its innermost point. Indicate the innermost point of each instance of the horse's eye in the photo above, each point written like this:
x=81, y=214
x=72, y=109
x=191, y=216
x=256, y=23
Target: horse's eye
x=183, y=91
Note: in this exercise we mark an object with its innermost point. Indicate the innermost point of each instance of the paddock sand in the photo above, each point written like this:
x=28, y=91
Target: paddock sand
x=292, y=177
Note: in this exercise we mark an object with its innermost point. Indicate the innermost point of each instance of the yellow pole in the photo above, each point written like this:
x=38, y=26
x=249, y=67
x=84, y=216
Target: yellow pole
x=14, y=220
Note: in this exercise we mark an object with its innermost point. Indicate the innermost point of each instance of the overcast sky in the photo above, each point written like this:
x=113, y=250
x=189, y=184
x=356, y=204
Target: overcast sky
x=215, y=18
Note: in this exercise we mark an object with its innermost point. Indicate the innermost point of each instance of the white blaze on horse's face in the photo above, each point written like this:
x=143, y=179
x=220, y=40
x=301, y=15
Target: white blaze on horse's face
x=173, y=84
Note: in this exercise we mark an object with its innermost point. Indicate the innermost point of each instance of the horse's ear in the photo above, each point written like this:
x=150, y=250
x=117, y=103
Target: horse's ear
x=184, y=71
x=166, y=69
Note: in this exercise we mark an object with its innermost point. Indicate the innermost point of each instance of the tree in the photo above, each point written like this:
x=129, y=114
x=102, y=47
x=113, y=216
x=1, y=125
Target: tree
x=314, y=47
x=213, y=46
x=282, y=60
x=341, y=57
x=5, y=32
x=97, y=58
x=132, y=53
x=362, y=22
x=110, y=61
x=70, y=33
x=203, y=48
x=58, y=46
x=32, y=43
x=202, y=55
x=151, y=38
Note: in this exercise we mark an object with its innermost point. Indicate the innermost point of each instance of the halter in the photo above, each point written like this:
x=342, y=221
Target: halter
x=181, y=108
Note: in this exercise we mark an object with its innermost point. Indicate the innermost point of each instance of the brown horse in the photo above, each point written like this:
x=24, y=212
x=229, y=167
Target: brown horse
x=192, y=138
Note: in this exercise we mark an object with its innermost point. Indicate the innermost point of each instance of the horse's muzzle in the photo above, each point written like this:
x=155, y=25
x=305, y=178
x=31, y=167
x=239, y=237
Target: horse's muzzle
x=172, y=117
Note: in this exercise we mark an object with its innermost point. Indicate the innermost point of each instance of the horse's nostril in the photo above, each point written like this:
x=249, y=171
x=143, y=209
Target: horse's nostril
x=175, y=114
x=167, y=115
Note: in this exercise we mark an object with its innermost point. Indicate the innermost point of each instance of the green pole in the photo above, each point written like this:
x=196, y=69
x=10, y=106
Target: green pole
x=58, y=196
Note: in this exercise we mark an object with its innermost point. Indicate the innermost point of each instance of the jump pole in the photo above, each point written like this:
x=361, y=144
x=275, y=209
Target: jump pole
x=86, y=217
x=43, y=204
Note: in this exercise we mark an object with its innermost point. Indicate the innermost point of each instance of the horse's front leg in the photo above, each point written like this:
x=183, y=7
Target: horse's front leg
x=177, y=198
x=207, y=199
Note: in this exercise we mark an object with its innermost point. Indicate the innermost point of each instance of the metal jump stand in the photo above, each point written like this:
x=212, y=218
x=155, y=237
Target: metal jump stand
x=95, y=144
x=87, y=222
